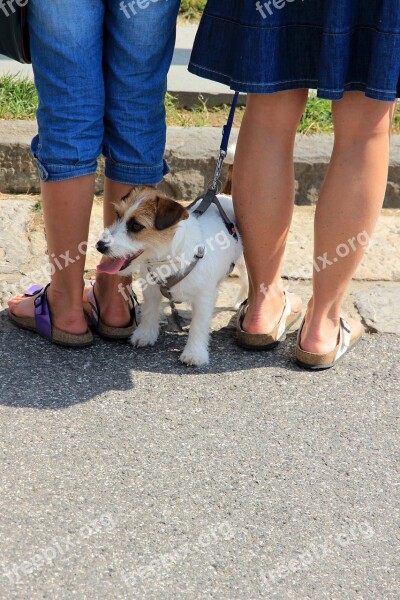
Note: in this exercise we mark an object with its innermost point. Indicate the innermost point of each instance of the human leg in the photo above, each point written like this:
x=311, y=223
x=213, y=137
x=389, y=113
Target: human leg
x=263, y=192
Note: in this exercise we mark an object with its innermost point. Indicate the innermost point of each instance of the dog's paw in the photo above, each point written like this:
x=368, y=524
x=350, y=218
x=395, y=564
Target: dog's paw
x=143, y=337
x=194, y=357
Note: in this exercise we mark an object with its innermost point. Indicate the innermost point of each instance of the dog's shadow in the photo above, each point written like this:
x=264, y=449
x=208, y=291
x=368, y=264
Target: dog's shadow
x=40, y=375
x=225, y=355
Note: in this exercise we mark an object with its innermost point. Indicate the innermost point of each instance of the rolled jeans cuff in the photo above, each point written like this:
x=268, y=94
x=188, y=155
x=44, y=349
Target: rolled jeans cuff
x=135, y=175
x=50, y=172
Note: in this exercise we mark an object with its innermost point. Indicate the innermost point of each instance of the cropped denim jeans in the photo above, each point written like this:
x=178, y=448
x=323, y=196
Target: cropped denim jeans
x=100, y=69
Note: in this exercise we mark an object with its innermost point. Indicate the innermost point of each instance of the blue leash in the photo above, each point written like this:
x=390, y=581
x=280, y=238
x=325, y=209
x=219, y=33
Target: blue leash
x=210, y=197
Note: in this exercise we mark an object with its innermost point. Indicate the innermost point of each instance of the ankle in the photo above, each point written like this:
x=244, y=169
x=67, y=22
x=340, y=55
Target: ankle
x=66, y=301
x=266, y=295
x=319, y=319
x=264, y=312
x=324, y=311
x=113, y=287
x=320, y=332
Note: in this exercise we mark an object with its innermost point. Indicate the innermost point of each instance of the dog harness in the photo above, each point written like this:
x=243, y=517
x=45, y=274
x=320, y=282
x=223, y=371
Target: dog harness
x=210, y=197
x=165, y=285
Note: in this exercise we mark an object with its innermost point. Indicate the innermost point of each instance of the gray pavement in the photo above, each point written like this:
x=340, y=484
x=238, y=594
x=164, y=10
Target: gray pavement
x=124, y=475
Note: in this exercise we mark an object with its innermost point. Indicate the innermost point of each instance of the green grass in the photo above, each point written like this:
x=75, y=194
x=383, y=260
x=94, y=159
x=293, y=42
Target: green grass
x=317, y=117
x=191, y=9
x=199, y=115
x=18, y=100
x=38, y=206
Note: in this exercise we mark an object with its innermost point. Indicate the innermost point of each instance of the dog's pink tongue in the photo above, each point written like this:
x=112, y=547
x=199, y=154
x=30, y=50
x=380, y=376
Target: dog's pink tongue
x=111, y=266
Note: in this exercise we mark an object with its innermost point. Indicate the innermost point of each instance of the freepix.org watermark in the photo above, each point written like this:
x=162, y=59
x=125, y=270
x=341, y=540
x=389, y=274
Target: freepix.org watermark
x=316, y=553
x=8, y=6
x=131, y=9
x=268, y=8
x=58, y=549
x=162, y=564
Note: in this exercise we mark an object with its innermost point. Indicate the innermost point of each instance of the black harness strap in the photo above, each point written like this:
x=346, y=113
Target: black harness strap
x=167, y=284
x=210, y=196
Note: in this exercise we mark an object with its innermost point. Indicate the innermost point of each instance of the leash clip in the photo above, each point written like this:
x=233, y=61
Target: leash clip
x=215, y=181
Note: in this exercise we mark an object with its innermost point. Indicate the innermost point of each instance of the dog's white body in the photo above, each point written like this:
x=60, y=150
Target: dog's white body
x=200, y=287
x=162, y=238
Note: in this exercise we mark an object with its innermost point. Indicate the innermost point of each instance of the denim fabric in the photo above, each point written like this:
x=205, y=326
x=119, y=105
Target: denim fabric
x=333, y=46
x=100, y=72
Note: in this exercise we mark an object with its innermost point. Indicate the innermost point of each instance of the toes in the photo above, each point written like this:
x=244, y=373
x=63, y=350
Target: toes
x=21, y=306
x=15, y=300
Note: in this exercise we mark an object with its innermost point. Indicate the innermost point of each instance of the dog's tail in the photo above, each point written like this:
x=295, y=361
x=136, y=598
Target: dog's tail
x=230, y=157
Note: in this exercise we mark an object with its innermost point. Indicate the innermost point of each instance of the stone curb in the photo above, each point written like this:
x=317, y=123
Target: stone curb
x=191, y=153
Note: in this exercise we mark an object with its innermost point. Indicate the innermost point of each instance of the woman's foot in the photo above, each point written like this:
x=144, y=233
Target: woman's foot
x=261, y=317
x=113, y=299
x=66, y=312
x=321, y=335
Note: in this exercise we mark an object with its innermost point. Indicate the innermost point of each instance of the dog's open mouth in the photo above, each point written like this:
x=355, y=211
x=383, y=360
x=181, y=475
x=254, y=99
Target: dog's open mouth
x=112, y=266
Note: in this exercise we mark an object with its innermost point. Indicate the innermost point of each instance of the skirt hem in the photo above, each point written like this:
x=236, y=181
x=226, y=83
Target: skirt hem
x=274, y=87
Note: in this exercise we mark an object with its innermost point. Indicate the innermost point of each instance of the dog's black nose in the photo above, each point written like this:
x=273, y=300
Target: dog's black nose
x=101, y=246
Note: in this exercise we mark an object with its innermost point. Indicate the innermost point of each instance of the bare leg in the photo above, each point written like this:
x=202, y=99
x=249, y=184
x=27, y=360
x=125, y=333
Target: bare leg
x=263, y=192
x=347, y=211
x=67, y=206
x=113, y=307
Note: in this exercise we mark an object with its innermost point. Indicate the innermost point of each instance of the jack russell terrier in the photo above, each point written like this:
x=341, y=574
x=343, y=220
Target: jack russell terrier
x=181, y=256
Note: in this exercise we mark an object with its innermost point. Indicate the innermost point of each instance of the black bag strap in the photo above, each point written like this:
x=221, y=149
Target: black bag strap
x=14, y=33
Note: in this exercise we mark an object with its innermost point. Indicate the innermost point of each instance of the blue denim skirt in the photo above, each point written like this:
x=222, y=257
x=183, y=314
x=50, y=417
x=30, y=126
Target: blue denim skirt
x=333, y=46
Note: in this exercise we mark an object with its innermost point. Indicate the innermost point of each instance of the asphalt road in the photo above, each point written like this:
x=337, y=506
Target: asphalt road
x=126, y=475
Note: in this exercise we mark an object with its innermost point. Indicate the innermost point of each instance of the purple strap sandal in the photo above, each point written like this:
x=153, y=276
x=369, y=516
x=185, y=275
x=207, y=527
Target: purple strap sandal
x=42, y=325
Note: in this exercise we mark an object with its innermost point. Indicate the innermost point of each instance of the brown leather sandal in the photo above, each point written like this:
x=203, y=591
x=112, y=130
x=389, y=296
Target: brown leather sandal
x=316, y=362
x=266, y=341
x=92, y=309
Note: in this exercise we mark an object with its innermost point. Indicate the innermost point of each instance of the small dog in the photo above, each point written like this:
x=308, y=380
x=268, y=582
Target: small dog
x=168, y=241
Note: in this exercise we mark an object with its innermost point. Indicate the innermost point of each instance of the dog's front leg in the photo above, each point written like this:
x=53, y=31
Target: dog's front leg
x=196, y=349
x=147, y=332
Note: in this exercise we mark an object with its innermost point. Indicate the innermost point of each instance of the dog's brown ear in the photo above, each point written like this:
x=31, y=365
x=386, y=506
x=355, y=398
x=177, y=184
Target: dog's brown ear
x=169, y=213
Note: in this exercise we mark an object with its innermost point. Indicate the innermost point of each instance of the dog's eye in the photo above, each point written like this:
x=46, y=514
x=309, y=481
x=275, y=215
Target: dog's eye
x=133, y=226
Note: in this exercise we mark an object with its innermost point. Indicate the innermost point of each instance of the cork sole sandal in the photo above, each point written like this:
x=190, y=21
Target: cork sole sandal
x=42, y=325
x=266, y=341
x=318, y=362
x=92, y=309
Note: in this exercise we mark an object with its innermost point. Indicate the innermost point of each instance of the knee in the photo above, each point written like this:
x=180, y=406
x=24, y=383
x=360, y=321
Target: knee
x=277, y=114
x=358, y=119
